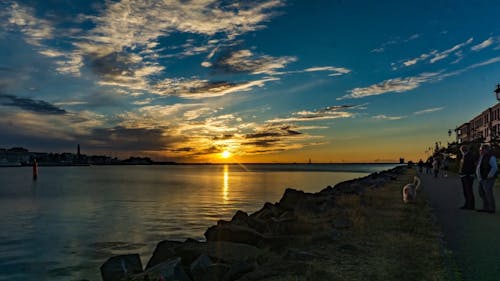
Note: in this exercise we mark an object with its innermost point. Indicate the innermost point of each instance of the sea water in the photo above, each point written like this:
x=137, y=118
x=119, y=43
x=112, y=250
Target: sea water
x=64, y=225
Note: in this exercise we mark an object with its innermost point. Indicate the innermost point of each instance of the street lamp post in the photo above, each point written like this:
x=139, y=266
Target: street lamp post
x=497, y=92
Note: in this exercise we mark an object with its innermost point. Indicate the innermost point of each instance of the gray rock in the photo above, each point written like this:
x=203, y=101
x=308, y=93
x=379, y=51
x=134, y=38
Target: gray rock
x=119, y=267
x=164, y=250
x=234, y=233
x=188, y=251
x=229, y=252
x=199, y=267
x=171, y=270
x=291, y=198
x=266, y=212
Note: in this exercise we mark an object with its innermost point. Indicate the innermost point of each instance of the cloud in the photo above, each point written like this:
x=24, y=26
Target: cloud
x=434, y=56
x=129, y=139
x=148, y=21
x=50, y=128
x=395, y=85
x=200, y=89
x=272, y=138
x=442, y=55
x=422, y=57
x=32, y=105
x=327, y=113
x=336, y=71
x=244, y=61
x=473, y=66
x=35, y=30
x=395, y=41
x=429, y=110
x=385, y=117
x=486, y=43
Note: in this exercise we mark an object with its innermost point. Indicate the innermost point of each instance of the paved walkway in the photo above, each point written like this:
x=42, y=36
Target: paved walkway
x=473, y=237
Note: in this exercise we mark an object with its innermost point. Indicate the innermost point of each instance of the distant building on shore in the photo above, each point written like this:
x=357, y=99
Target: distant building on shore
x=484, y=126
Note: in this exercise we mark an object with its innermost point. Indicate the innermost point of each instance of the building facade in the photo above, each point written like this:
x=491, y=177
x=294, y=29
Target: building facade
x=485, y=126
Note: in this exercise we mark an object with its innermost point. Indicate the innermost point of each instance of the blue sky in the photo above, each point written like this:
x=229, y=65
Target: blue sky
x=268, y=81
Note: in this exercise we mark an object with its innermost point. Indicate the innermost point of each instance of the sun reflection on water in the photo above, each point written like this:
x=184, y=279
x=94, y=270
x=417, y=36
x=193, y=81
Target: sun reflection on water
x=225, y=187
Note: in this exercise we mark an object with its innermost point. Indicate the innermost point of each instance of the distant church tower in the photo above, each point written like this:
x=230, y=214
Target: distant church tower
x=78, y=151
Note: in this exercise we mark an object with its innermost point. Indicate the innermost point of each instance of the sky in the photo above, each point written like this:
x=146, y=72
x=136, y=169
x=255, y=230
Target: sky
x=263, y=81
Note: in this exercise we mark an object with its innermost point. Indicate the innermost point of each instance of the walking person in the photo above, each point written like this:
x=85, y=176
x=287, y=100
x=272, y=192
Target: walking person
x=466, y=173
x=486, y=172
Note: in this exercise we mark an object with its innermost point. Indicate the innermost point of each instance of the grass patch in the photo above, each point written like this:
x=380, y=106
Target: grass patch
x=389, y=240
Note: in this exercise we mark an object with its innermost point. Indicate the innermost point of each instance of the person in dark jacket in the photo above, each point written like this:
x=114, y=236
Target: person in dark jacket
x=466, y=173
x=486, y=172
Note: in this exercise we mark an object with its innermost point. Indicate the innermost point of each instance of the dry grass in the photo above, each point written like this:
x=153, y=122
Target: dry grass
x=389, y=240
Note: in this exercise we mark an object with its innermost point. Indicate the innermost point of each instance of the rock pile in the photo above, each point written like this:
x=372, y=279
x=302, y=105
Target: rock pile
x=258, y=246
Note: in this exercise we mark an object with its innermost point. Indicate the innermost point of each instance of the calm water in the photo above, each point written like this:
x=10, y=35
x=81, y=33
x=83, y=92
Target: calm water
x=66, y=224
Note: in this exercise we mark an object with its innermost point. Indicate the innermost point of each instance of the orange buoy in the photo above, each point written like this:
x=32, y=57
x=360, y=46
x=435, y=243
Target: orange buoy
x=35, y=170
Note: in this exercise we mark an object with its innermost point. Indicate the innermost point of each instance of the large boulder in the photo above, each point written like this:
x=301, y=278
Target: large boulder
x=164, y=250
x=234, y=233
x=204, y=269
x=242, y=218
x=229, y=252
x=291, y=198
x=119, y=267
x=267, y=212
x=188, y=251
x=170, y=270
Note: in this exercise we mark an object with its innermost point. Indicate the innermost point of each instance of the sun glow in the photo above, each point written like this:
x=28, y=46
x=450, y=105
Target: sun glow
x=225, y=154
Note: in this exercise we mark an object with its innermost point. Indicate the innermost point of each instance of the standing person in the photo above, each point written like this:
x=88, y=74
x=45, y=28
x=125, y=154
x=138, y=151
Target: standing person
x=445, y=165
x=486, y=172
x=466, y=173
x=428, y=166
x=420, y=166
x=435, y=166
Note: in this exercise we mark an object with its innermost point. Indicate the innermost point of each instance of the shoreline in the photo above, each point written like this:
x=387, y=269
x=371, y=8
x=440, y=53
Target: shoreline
x=253, y=247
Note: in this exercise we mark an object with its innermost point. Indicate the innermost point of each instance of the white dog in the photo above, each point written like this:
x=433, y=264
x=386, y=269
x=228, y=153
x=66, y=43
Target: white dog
x=410, y=190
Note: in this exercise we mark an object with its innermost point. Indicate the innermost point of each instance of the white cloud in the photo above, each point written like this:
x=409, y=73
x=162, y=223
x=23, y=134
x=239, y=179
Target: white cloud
x=446, y=53
x=385, y=117
x=200, y=89
x=396, y=85
x=434, y=56
x=336, y=71
x=35, y=30
x=327, y=113
x=486, y=43
x=428, y=110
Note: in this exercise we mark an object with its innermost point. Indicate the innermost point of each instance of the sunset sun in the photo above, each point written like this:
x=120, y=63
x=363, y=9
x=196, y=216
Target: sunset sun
x=225, y=154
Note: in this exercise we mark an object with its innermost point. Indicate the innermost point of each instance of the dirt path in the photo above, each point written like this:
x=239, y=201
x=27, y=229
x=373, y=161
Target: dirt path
x=473, y=237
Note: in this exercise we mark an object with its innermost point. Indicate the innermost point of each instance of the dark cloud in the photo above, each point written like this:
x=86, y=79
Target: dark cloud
x=132, y=139
x=223, y=137
x=213, y=86
x=272, y=131
x=114, y=64
x=244, y=61
x=262, y=143
x=28, y=104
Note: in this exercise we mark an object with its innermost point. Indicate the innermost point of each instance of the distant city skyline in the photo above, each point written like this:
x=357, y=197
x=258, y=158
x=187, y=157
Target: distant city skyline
x=237, y=81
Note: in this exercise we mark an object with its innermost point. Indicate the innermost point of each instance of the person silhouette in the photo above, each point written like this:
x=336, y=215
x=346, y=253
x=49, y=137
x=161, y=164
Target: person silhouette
x=486, y=171
x=466, y=173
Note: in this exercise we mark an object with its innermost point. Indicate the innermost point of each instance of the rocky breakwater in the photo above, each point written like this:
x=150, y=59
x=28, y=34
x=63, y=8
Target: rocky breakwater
x=281, y=239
